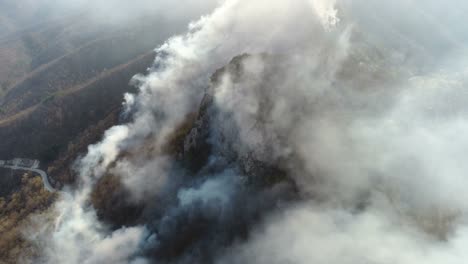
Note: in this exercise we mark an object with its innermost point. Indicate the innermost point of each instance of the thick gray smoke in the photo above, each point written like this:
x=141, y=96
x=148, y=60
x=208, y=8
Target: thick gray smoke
x=359, y=105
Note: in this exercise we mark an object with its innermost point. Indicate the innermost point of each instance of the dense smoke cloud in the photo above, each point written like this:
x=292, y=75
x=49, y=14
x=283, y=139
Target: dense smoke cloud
x=359, y=104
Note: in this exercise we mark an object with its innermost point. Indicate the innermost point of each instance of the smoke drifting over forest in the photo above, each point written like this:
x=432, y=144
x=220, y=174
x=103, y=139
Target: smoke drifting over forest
x=337, y=134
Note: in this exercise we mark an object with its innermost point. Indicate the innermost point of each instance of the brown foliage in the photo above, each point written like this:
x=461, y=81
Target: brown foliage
x=14, y=213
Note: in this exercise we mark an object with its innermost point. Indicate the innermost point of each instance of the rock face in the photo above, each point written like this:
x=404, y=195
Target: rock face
x=205, y=154
x=206, y=139
x=197, y=147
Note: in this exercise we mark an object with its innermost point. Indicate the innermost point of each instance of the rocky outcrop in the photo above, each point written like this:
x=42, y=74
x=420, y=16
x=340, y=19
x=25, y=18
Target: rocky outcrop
x=192, y=148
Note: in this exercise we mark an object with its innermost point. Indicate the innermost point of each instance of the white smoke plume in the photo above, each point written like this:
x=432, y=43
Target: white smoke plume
x=360, y=102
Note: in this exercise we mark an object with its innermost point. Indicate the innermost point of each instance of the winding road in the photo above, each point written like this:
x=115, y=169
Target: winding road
x=28, y=165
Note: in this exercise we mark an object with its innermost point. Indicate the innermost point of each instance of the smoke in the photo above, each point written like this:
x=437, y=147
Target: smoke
x=118, y=12
x=103, y=16
x=337, y=137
